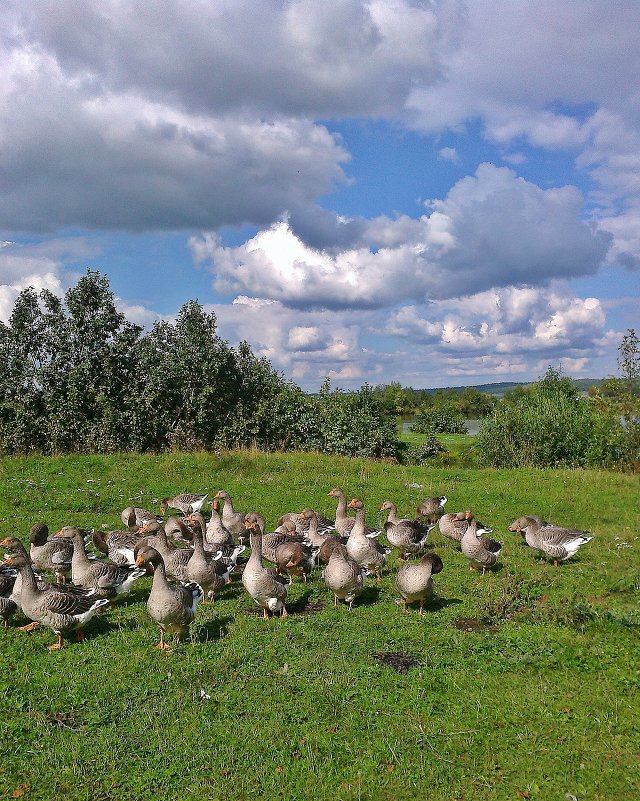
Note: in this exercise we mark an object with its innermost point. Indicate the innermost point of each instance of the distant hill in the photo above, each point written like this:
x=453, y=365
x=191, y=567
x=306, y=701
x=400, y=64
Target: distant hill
x=499, y=388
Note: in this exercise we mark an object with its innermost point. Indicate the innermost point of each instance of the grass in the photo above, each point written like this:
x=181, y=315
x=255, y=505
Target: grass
x=459, y=448
x=537, y=700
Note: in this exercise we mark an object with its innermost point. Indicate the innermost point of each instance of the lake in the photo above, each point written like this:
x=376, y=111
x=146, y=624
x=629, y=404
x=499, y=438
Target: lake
x=472, y=425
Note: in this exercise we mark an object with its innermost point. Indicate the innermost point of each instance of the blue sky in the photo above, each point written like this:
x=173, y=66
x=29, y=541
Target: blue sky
x=436, y=193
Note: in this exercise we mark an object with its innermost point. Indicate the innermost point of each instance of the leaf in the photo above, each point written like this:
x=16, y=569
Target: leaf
x=20, y=790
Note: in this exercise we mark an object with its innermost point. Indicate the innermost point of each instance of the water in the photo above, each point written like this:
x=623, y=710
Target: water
x=472, y=425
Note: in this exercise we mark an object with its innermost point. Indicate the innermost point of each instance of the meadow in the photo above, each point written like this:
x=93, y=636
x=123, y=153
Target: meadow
x=522, y=683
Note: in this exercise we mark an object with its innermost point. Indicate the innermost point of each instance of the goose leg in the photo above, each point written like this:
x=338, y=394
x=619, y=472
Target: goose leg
x=30, y=626
x=162, y=645
x=57, y=645
x=265, y=614
x=284, y=612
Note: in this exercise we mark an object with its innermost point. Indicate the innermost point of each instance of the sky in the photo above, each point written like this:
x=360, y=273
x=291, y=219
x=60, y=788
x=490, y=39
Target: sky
x=434, y=193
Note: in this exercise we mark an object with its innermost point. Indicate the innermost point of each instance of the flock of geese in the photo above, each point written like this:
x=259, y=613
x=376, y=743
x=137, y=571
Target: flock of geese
x=183, y=576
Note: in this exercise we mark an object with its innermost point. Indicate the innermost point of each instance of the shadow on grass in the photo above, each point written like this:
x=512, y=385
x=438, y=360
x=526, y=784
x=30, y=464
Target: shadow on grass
x=369, y=596
x=436, y=604
x=214, y=629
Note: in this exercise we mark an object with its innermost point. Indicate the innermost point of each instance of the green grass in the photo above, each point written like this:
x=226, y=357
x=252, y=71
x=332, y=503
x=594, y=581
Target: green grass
x=459, y=448
x=541, y=703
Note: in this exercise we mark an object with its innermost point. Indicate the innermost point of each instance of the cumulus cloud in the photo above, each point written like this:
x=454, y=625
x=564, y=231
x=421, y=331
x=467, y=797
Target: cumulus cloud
x=298, y=58
x=99, y=160
x=194, y=115
x=40, y=266
x=506, y=334
x=308, y=346
x=520, y=70
x=513, y=321
x=492, y=229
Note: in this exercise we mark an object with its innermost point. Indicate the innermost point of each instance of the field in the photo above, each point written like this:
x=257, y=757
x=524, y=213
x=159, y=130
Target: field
x=534, y=696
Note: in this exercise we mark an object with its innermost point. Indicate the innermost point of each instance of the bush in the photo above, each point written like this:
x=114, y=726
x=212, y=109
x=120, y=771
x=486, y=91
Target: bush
x=551, y=425
x=439, y=420
x=356, y=423
x=424, y=452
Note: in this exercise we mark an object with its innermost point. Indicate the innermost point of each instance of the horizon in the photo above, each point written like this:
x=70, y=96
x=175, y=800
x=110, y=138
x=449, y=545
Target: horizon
x=413, y=192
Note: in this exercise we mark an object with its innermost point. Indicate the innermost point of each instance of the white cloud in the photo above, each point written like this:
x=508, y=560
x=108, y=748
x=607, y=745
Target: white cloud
x=492, y=229
x=449, y=154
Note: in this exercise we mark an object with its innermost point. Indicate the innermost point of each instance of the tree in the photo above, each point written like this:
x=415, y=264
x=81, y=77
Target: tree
x=629, y=358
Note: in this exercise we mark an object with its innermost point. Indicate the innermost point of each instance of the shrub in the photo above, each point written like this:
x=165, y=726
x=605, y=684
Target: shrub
x=424, y=452
x=439, y=420
x=356, y=423
x=551, y=425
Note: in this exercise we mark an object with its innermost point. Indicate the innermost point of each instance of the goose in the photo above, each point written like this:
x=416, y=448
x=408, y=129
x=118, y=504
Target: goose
x=8, y=605
x=273, y=540
x=324, y=541
x=233, y=521
x=16, y=591
x=54, y=555
x=221, y=541
x=408, y=536
x=558, y=543
x=178, y=529
x=302, y=522
x=343, y=523
x=62, y=612
x=362, y=547
x=296, y=559
x=172, y=608
x=453, y=526
x=117, y=545
x=108, y=580
x=431, y=508
x=266, y=588
x=203, y=568
x=481, y=551
x=215, y=534
x=134, y=517
x=187, y=503
x=175, y=560
x=414, y=582
x=343, y=576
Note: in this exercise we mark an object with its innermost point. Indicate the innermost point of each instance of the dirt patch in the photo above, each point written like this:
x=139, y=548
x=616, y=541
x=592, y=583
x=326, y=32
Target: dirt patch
x=63, y=720
x=396, y=660
x=473, y=625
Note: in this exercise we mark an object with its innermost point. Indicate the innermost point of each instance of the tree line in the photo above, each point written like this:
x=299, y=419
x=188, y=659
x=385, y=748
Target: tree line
x=77, y=376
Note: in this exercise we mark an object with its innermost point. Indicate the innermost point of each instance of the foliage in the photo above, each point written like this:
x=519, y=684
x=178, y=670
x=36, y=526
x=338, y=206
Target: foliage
x=441, y=419
x=620, y=398
x=423, y=452
x=548, y=425
x=629, y=359
x=356, y=423
x=405, y=401
x=76, y=376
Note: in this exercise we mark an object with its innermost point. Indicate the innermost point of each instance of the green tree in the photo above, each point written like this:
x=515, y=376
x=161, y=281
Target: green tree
x=551, y=425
